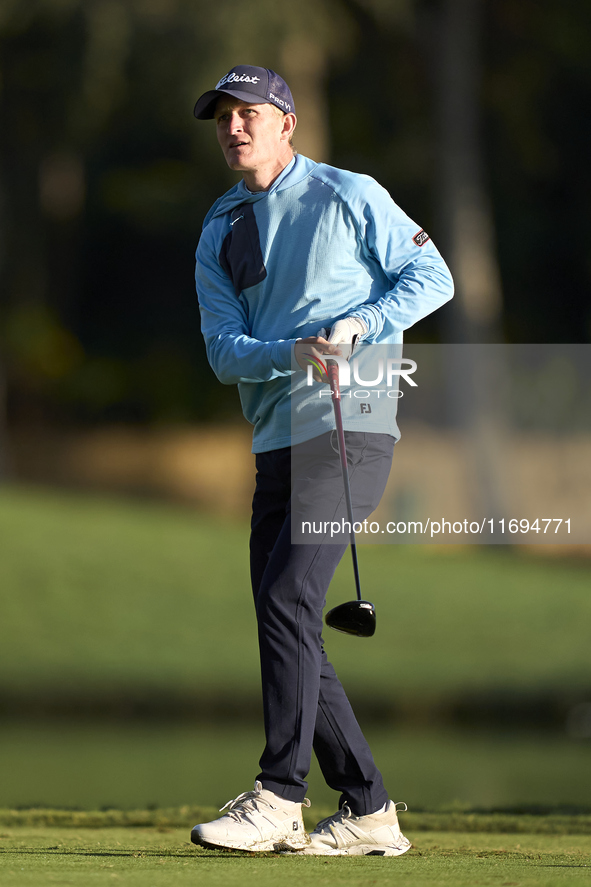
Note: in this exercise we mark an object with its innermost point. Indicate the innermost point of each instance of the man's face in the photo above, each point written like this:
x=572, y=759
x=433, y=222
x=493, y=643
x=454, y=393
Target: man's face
x=249, y=134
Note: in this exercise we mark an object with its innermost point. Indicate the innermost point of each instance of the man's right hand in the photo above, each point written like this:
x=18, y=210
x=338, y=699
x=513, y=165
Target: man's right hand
x=313, y=351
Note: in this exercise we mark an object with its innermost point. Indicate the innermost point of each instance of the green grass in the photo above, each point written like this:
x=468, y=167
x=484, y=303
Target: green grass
x=99, y=594
x=163, y=857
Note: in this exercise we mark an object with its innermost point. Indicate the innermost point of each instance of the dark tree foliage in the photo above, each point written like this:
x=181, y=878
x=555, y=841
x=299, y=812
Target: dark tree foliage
x=105, y=177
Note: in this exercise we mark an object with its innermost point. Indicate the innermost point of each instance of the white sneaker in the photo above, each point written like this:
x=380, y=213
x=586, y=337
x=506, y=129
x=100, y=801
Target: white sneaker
x=257, y=820
x=376, y=834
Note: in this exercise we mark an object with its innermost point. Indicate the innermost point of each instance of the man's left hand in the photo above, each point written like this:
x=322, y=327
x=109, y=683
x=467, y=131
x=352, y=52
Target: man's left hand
x=347, y=330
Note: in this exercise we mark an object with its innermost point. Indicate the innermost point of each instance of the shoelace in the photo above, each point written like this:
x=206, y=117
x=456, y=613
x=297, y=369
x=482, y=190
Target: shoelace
x=332, y=822
x=336, y=819
x=248, y=802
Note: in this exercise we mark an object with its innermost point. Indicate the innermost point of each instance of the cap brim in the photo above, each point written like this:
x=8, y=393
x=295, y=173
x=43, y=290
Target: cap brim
x=205, y=106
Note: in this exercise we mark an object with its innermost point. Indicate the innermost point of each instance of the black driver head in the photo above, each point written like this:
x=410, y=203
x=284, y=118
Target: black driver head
x=354, y=617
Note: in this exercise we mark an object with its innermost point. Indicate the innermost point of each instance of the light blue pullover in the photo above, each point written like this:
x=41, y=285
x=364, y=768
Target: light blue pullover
x=274, y=266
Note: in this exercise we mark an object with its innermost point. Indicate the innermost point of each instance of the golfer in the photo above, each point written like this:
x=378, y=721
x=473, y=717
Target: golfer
x=296, y=249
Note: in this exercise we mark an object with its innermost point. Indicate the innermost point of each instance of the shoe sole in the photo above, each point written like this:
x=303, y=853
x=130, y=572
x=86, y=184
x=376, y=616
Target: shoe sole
x=354, y=850
x=256, y=847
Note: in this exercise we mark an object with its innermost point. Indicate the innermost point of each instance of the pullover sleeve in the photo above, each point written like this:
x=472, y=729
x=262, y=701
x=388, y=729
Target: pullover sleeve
x=421, y=281
x=234, y=355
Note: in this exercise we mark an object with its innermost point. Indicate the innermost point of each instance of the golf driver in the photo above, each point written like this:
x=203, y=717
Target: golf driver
x=353, y=617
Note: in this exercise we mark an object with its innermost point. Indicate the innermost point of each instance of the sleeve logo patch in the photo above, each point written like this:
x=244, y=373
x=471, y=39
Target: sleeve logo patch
x=421, y=238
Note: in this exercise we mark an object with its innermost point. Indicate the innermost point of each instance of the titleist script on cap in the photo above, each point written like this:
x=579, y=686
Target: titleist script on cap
x=237, y=78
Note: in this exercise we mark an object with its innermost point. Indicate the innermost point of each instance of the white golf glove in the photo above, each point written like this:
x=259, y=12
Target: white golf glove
x=346, y=330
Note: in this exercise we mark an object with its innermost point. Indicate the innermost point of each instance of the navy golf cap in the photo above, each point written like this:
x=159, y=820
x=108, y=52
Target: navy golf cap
x=249, y=84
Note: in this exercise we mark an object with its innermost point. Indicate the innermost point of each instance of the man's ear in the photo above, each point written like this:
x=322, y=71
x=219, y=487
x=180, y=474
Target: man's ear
x=289, y=124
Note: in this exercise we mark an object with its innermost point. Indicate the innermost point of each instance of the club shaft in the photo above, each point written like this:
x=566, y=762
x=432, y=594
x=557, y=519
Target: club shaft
x=333, y=376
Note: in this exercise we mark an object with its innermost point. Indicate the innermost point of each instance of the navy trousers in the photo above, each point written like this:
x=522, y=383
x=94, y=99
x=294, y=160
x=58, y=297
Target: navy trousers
x=305, y=706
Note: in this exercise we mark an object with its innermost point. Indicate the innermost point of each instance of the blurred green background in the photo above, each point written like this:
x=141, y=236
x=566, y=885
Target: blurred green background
x=129, y=671
x=129, y=666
